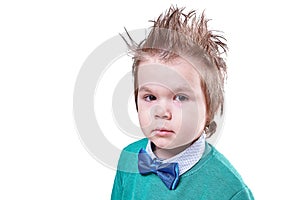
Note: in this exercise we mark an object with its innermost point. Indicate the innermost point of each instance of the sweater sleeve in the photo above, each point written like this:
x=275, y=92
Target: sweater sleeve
x=117, y=187
x=244, y=194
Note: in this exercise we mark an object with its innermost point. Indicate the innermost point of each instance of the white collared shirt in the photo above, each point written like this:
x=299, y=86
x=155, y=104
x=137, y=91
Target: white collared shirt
x=187, y=158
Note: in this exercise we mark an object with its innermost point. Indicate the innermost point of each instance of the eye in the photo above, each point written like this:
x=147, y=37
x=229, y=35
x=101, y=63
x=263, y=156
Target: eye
x=180, y=97
x=149, y=97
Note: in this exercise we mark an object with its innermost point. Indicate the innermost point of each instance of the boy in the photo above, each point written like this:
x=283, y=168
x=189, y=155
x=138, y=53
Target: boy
x=178, y=78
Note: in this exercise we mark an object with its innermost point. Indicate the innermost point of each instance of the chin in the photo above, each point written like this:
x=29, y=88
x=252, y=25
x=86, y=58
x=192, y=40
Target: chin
x=171, y=145
x=163, y=143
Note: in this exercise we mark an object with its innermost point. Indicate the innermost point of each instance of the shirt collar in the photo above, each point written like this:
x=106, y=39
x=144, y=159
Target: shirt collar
x=187, y=158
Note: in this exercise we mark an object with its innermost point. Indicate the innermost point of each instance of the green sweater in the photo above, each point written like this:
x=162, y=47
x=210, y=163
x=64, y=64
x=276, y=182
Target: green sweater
x=213, y=177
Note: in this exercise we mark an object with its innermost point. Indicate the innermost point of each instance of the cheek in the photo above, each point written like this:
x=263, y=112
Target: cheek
x=193, y=117
x=143, y=119
x=144, y=115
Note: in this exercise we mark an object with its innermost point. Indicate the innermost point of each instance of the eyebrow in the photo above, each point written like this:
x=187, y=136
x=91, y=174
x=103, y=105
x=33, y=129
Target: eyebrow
x=183, y=89
x=176, y=90
x=144, y=88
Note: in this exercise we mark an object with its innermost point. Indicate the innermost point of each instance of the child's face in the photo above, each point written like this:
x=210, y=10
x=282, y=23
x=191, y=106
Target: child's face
x=171, y=103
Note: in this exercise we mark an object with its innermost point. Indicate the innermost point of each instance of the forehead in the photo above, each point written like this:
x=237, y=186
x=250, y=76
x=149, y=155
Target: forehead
x=175, y=74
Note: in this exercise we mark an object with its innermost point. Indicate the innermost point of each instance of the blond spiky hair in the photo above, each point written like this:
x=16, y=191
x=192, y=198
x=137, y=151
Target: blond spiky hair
x=176, y=34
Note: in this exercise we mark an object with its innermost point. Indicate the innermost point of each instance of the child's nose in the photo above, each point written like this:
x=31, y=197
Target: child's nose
x=162, y=111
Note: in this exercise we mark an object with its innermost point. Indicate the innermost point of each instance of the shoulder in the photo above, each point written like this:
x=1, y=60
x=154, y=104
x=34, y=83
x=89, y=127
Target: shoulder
x=129, y=155
x=221, y=176
x=223, y=165
x=136, y=146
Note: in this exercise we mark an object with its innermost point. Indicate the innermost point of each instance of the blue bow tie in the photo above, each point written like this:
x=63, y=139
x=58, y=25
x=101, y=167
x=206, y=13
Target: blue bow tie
x=167, y=172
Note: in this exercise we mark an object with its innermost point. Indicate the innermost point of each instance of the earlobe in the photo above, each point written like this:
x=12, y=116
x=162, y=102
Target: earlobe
x=210, y=128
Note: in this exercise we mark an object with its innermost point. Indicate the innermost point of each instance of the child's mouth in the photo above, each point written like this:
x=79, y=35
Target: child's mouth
x=162, y=132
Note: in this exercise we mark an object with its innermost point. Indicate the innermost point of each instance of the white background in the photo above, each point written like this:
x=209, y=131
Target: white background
x=43, y=45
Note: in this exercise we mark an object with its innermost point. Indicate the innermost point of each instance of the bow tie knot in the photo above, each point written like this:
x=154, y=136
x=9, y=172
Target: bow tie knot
x=167, y=172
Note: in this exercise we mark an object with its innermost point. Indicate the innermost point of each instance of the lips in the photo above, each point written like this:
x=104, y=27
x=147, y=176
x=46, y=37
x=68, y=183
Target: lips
x=162, y=132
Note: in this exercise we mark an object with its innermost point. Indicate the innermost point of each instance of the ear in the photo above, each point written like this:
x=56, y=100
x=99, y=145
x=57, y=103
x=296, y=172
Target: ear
x=210, y=128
